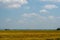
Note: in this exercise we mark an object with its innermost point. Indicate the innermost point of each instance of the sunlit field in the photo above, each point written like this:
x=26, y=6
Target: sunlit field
x=29, y=35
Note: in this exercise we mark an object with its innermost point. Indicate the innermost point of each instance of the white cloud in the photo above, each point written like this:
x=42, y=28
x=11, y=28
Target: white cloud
x=50, y=0
x=21, y=21
x=57, y=17
x=29, y=14
x=51, y=17
x=8, y=20
x=13, y=3
x=27, y=7
x=50, y=6
x=14, y=6
x=48, y=21
x=34, y=16
x=44, y=11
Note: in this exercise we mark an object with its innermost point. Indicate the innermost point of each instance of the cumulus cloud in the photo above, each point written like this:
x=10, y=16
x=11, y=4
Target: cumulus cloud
x=27, y=7
x=44, y=11
x=14, y=6
x=21, y=21
x=58, y=17
x=39, y=17
x=13, y=3
x=50, y=6
x=51, y=17
x=29, y=14
x=8, y=20
x=50, y=0
x=34, y=16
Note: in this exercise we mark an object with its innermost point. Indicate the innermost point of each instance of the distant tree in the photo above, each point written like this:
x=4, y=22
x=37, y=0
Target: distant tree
x=7, y=29
x=58, y=28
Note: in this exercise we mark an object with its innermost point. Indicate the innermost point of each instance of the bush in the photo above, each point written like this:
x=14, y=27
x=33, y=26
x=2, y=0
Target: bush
x=7, y=29
x=58, y=28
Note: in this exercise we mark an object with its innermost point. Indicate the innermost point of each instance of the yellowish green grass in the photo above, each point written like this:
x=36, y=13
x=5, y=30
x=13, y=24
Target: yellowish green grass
x=29, y=35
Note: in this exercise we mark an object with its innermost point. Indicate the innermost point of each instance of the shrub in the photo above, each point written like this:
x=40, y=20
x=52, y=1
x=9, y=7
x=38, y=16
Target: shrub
x=58, y=28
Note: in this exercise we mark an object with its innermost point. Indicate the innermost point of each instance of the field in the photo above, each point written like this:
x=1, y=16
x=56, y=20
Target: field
x=29, y=35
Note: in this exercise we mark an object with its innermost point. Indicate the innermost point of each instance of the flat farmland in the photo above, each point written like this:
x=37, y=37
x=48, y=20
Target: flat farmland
x=29, y=35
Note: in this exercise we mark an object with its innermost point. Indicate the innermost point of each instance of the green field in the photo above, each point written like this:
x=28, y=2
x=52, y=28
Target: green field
x=29, y=35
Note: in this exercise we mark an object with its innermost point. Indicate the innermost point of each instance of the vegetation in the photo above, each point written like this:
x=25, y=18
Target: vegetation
x=29, y=35
x=58, y=28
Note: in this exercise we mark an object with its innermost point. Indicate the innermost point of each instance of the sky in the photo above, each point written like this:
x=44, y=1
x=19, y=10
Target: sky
x=29, y=14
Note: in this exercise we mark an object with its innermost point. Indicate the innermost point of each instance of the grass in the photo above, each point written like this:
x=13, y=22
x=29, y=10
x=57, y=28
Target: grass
x=29, y=35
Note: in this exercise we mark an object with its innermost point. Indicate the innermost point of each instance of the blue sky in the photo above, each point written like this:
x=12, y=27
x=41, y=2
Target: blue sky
x=29, y=14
